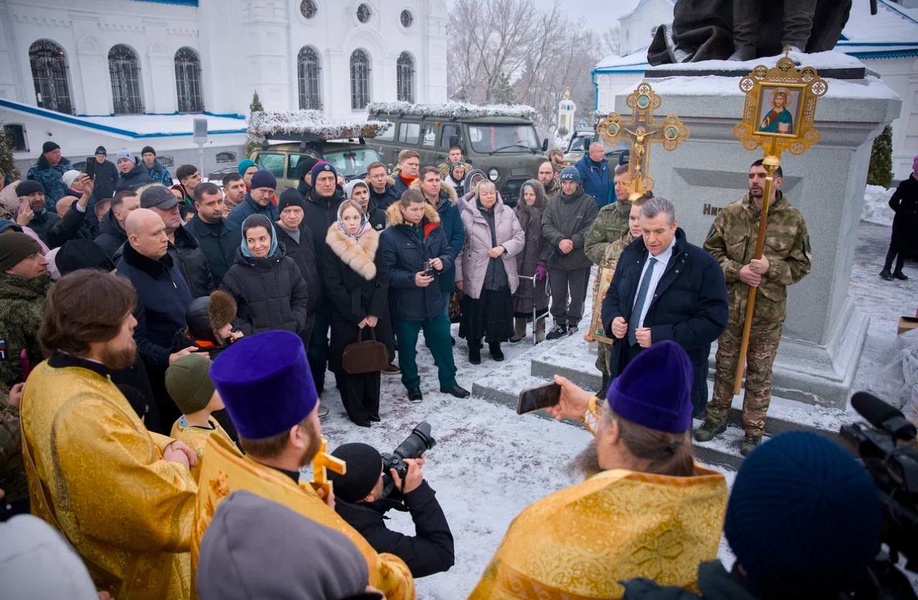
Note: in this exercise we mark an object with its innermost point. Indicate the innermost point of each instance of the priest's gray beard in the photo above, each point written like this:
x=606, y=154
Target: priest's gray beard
x=586, y=463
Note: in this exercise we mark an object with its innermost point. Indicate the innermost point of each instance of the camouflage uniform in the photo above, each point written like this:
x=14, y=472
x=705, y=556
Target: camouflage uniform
x=21, y=302
x=443, y=167
x=732, y=242
x=51, y=178
x=603, y=245
x=12, y=471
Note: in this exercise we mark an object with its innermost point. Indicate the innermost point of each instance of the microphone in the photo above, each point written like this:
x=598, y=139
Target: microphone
x=883, y=416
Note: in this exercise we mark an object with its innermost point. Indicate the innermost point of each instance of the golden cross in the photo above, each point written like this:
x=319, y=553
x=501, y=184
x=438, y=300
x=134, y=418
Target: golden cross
x=643, y=131
x=322, y=462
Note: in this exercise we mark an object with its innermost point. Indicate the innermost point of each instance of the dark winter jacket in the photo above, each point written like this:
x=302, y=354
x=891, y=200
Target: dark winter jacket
x=451, y=223
x=162, y=298
x=303, y=253
x=689, y=305
x=219, y=242
x=51, y=177
x=376, y=216
x=270, y=293
x=356, y=286
x=430, y=551
x=111, y=235
x=318, y=216
x=400, y=186
x=568, y=218
x=105, y=178
x=384, y=200
x=133, y=179
x=42, y=224
x=70, y=227
x=159, y=173
x=534, y=253
x=714, y=582
x=904, y=203
x=595, y=179
x=249, y=207
x=192, y=262
x=405, y=249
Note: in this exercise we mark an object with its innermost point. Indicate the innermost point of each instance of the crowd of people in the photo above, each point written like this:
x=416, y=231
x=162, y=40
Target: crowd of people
x=164, y=348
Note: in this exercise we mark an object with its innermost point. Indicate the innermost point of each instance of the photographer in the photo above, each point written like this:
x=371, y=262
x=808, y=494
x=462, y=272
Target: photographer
x=360, y=500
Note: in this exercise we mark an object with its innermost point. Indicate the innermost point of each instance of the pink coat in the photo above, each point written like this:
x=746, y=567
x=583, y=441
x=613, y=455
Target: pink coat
x=472, y=263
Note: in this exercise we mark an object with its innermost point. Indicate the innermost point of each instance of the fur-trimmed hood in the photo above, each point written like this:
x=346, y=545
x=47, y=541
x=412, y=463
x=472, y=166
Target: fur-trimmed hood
x=445, y=191
x=395, y=215
x=356, y=254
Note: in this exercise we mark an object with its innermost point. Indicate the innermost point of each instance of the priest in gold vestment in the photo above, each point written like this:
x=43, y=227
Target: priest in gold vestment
x=268, y=391
x=122, y=496
x=646, y=510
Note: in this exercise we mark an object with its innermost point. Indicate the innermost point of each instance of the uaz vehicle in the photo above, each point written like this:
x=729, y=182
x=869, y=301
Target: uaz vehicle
x=499, y=140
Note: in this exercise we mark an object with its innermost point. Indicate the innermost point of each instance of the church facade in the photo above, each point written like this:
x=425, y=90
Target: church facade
x=142, y=57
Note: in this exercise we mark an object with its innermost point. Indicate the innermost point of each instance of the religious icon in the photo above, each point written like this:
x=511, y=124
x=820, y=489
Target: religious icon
x=597, y=331
x=779, y=110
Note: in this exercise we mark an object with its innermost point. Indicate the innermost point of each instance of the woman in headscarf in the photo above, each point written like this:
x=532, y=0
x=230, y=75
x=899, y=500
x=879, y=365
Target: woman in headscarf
x=486, y=270
x=531, y=262
x=267, y=285
x=357, y=287
x=455, y=178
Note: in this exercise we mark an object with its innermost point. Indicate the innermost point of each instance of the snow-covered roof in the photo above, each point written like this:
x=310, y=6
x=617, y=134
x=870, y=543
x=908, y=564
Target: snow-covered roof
x=638, y=58
x=145, y=125
x=892, y=23
x=454, y=110
x=640, y=5
x=309, y=122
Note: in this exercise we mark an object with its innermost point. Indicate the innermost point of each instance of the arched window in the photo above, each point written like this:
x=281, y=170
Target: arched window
x=125, y=73
x=188, y=81
x=49, y=73
x=404, y=77
x=307, y=69
x=360, y=80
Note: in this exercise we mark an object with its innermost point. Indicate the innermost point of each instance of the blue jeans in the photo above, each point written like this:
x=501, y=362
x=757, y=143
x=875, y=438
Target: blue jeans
x=437, y=335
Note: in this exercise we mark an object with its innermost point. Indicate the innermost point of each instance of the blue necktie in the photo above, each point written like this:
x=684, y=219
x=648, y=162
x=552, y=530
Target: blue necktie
x=639, y=303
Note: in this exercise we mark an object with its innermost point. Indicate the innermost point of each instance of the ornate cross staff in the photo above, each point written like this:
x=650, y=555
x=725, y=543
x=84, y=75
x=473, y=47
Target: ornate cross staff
x=778, y=115
x=643, y=131
x=321, y=464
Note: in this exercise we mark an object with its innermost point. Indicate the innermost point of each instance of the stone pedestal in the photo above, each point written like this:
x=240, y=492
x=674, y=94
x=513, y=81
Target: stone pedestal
x=824, y=333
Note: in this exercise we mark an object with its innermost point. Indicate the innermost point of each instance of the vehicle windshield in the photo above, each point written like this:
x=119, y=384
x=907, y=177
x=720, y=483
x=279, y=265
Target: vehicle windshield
x=488, y=139
x=352, y=162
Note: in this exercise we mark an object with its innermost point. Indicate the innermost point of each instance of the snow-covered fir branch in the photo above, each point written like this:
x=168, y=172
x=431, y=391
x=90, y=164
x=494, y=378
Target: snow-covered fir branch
x=309, y=122
x=454, y=110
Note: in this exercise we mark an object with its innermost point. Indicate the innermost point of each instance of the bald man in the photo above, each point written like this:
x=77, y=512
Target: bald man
x=595, y=174
x=162, y=297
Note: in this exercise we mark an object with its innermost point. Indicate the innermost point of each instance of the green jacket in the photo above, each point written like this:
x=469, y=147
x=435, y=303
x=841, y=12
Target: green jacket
x=787, y=246
x=21, y=302
x=610, y=225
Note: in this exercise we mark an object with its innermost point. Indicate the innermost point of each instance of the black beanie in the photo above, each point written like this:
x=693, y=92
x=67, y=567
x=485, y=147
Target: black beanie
x=364, y=467
x=49, y=146
x=16, y=247
x=29, y=187
x=148, y=149
x=290, y=197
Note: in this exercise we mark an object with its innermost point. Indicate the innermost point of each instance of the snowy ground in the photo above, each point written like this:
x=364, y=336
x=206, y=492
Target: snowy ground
x=490, y=463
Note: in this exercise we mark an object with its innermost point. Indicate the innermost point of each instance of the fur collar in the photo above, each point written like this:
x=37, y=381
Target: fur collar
x=357, y=254
x=445, y=190
x=395, y=215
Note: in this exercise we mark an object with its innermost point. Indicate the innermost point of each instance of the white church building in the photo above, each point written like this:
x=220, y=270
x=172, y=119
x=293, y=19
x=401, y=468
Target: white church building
x=124, y=73
x=887, y=44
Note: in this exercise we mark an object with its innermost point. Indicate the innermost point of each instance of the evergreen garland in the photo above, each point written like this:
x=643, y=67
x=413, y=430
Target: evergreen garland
x=7, y=165
x=880, y=170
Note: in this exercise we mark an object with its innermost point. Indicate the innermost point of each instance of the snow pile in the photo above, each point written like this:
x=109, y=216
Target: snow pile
x=263, y=125
x=454, y=110
x=876, y=205
x=897, y=382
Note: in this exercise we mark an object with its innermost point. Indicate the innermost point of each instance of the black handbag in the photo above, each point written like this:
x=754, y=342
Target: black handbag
x=364, y=356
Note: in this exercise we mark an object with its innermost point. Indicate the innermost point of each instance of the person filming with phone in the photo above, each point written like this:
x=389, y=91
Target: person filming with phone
x=645, y=508
x=373, y=485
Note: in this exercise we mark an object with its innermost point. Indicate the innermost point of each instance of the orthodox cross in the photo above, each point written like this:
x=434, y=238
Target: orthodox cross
x=642, y=131
x=321, y=464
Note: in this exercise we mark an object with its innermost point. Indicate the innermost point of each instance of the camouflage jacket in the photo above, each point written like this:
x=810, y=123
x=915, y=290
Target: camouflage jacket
x=21, y=303
x=787, y=246
x=50, y=178
x=12, y=471
x=608, y=228
x=443, y=167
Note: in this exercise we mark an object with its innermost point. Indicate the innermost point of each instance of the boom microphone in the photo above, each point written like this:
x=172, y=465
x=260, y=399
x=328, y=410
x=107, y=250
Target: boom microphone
x=883, y=416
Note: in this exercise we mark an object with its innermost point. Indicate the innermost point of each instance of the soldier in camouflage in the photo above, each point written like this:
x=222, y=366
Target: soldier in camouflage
x=786, y=259
x=606, y=254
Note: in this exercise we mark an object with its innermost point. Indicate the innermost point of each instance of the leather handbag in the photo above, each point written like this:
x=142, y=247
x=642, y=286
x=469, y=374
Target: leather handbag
x=364, y=356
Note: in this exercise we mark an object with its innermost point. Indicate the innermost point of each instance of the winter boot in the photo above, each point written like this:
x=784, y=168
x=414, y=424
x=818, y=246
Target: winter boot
x=540, y=331
x=900, y=276
x=885, y=274
x=475, y=353
x=709, y=430
x=750, y=443
x=519, y=330
x=496, y=352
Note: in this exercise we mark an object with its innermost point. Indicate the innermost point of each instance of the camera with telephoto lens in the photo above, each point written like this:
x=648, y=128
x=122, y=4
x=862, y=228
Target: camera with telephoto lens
x=428, y=269
x=416, y=444
x=894, y=469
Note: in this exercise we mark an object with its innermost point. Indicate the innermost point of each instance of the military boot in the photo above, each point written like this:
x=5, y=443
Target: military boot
x=750, y=443
x=519, y=330
x=709, y=430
